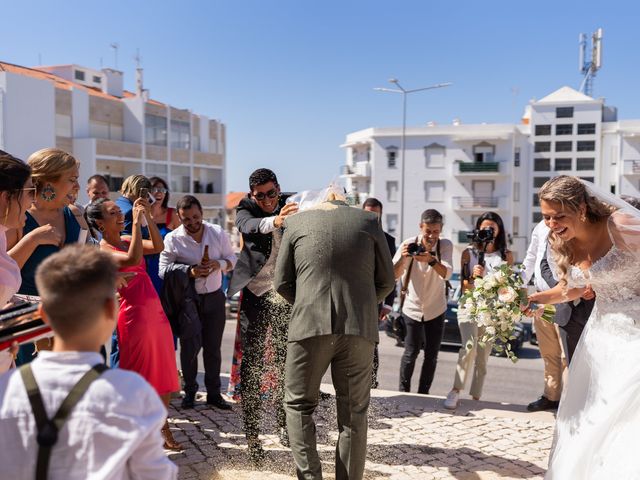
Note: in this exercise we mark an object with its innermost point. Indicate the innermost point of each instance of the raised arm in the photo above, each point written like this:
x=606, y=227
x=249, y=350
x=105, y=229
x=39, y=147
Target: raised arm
x=155, y=244
x=133, y=256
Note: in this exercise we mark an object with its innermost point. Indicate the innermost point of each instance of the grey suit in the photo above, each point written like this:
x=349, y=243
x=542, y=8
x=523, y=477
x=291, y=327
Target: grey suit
x=335, y=267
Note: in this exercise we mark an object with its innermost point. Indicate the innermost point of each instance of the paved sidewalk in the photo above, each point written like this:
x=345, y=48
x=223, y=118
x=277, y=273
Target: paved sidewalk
x=410, y=437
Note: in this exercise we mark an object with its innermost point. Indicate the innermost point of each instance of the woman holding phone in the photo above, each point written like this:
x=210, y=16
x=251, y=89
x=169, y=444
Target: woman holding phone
x=145, y=340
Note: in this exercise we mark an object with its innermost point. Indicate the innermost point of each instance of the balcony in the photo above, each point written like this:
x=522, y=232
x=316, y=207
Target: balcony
x=631, y=168
x=360, y=169
x=478, y=203
x=205, y=158
x=210, y=199
x=482, y=169
x=116, y=148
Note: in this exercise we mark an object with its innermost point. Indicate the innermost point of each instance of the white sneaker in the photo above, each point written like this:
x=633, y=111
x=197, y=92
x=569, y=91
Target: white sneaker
x=451, y=402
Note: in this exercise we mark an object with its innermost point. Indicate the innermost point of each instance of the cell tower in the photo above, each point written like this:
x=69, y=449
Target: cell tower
x=589, y=67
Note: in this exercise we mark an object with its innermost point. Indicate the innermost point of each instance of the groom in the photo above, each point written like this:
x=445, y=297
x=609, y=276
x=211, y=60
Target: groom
x=335, y=267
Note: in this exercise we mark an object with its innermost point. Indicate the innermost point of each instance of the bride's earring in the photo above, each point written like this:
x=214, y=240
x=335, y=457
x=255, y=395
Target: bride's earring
x=48, y=193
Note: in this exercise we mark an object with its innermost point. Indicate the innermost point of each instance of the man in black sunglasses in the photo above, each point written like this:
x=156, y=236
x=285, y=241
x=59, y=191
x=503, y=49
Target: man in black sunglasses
x=259, y=218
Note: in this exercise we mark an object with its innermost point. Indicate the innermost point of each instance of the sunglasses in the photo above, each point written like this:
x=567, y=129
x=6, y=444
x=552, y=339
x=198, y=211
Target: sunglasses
x=159, y=190
x=260, y=196
x=31, y=191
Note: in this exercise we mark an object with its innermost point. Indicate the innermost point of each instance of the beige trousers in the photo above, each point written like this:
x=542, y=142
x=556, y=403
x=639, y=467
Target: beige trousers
x=471, y=331
x=552, y=353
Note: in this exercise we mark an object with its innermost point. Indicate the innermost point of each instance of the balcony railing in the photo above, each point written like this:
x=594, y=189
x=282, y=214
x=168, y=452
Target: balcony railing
x=360, y=169
x=631, y=167
x=478, y=167
x=475, y=202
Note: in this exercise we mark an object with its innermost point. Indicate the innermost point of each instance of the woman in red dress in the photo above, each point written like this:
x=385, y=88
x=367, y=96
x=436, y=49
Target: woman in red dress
x=144, y=333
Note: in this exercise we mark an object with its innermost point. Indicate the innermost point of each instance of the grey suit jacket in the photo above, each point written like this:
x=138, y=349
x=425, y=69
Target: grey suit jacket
x=334, y=266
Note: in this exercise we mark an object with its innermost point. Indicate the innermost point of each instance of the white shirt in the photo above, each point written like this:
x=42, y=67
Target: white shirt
x=535, y=253
x=263, y=281
x=180, y=247
x=10, y=278
x=426, y=297
x=112, y=433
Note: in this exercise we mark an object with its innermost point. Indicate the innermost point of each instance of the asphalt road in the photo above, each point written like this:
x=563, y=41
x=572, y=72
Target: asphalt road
x=518, y=383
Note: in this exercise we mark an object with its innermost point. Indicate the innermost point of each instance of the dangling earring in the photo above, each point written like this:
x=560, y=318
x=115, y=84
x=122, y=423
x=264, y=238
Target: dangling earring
x=48, y=193
x=583, y=217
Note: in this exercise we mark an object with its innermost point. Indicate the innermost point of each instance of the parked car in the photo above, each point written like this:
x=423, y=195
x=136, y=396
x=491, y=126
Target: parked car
x=234, y=303
x=451, y=336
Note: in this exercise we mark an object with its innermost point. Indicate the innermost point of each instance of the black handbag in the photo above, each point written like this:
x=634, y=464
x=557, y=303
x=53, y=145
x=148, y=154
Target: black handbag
x=398, y=324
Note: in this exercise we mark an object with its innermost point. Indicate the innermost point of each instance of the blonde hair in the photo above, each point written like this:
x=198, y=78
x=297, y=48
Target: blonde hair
x=48, y=164
x=133, y=184
x=571, y=194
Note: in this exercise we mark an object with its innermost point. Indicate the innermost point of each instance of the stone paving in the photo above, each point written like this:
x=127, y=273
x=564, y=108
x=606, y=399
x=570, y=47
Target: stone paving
x=410, y=437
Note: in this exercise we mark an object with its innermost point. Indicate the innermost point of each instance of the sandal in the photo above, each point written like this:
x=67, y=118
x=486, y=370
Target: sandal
x=169, y=441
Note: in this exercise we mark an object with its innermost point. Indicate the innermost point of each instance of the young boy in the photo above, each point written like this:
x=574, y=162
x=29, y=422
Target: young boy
x=113, y=431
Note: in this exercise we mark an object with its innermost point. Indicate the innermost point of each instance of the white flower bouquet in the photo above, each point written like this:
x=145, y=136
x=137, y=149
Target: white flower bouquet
x=495, y=303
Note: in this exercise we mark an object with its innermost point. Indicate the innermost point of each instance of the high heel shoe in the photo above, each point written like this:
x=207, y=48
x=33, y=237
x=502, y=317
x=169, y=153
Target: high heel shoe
x=169, y=441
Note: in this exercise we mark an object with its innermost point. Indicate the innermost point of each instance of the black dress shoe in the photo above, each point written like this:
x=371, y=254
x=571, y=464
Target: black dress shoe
x=218, y=402
x=188, y=401
x=543, y=403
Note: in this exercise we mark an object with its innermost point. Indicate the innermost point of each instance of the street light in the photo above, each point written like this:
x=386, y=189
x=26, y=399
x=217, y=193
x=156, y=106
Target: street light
x=404, y=93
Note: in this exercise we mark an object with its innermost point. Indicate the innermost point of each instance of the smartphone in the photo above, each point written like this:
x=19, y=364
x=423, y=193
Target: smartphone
x=145, y=193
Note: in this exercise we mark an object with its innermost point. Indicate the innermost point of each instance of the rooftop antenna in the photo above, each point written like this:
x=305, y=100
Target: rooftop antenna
x=589, y=67
x=139, y=85
x=115, y=47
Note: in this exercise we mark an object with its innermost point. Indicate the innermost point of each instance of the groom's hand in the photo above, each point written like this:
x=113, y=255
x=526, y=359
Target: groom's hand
x=588, y=293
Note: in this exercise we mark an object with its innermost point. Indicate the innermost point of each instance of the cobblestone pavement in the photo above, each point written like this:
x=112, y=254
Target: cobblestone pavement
x=410, y=437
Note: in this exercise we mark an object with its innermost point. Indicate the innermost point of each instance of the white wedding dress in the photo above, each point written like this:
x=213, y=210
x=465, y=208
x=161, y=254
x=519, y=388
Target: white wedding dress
x=598, y=422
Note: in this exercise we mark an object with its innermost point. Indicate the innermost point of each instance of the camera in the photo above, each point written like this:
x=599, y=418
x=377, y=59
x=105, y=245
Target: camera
x=481, y=236
x=415, y=248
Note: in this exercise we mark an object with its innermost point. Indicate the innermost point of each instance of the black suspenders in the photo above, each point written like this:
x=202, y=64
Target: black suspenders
x=48, y=428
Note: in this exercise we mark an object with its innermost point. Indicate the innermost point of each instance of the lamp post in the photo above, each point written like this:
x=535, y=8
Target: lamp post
x=404, y=93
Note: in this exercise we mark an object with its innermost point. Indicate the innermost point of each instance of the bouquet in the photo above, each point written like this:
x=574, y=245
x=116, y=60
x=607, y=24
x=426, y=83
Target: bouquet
x=495, y=303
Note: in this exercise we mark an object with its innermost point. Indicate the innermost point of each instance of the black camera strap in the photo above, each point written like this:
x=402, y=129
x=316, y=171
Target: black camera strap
x=48, y=428
x=405, y=283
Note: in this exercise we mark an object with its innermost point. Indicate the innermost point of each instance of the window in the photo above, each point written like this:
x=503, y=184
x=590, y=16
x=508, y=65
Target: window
x=484, y=152
x=586, y=146
x=180, y=179
x=79, y=75
x=564, y=146
x=392, y=157
x=563, y=164
x=586, y=128
x=515, y=225
x=564, y=129
x=516, y=157
x=537, y=217
x=543, y=129
x=564, y=112
x=588, y=179
x=612, y=188
x=97, y=79
x=392, y=223
x=392, y=191
x=536, y=200
x=516, y=191
x=539, y=181
x=434, y=156
x=155, y=130
x=586, y=164
x=63, y=125
x=542, y=164
x=433, y=191
x=542, y=147
x=155, y=170
x=180, y=134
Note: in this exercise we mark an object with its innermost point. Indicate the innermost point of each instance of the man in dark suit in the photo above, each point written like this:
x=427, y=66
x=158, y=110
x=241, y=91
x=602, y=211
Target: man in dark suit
x=374, y=205
x=335, y=267
x=259, y=218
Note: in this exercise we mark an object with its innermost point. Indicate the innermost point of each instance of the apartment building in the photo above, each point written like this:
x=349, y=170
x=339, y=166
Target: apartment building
x=113, y=131
x=465, y=170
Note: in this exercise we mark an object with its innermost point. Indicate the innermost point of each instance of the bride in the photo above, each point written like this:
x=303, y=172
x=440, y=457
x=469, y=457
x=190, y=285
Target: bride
x=595, y=240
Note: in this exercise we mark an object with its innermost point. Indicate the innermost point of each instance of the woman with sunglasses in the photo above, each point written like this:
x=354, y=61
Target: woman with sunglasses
x=166, y=219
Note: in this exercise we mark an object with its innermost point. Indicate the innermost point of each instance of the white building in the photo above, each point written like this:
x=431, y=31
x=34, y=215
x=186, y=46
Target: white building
x=465, y=170
x=112, y=131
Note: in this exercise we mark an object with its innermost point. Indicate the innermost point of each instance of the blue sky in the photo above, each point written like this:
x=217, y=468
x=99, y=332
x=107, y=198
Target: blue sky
x=292, y=78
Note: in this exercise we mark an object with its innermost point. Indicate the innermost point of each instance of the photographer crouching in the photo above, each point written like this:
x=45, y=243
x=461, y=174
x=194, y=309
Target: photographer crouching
x=488, y=249
x=424, y=262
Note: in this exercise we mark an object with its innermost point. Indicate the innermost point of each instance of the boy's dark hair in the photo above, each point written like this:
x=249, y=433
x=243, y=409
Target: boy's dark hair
x=431, y=216
x=154, y=180
x=187, y=202
x=98, y=178
x=14, y=173
x=260, y=177
x=74, y=285
x=372, y=202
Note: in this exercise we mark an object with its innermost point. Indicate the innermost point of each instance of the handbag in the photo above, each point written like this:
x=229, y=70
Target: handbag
x=398, y=324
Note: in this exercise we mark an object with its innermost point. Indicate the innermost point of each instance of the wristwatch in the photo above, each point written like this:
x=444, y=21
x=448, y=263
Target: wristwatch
x=433, y=262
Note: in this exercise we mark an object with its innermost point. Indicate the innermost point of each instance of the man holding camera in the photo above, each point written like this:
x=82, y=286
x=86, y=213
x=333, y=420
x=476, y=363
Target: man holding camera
x=426, y=260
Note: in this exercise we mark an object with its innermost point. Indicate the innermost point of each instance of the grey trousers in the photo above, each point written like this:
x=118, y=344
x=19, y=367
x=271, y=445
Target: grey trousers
x=350, y=358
